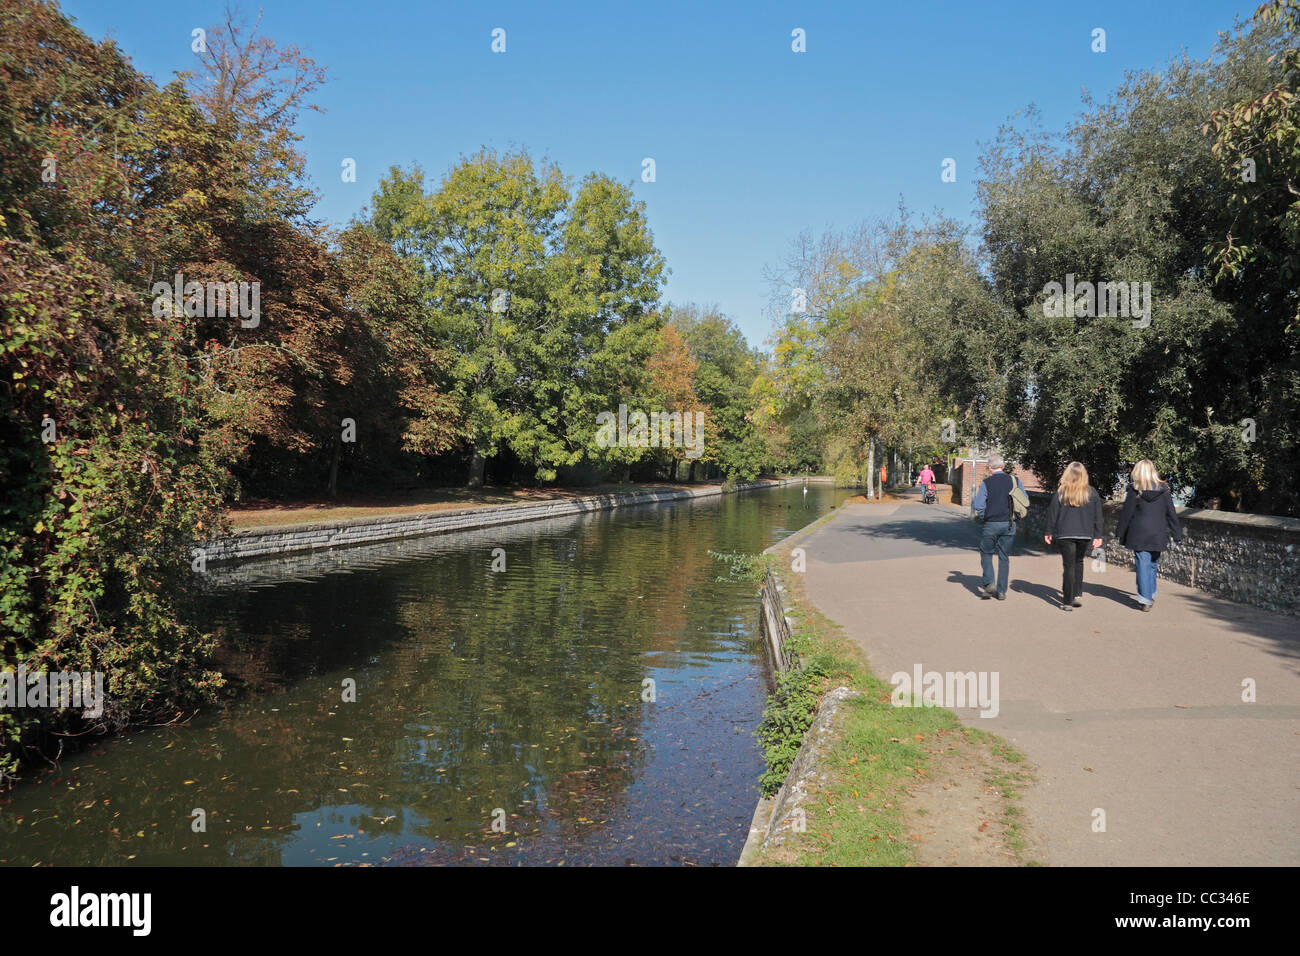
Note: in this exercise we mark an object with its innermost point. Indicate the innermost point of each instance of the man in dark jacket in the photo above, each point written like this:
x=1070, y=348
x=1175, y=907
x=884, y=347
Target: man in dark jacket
x=1146, y=522
x=993, y=506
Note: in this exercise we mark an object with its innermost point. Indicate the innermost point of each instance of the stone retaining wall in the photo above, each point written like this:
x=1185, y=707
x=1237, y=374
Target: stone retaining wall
x=775, y=817
x=1253, y=559
x=776, y=624
x=285, y=539
x=806, y=770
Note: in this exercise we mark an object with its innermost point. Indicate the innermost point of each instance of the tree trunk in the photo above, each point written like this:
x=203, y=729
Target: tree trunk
x=477, y=467
x=334, y=466
x=871, y=468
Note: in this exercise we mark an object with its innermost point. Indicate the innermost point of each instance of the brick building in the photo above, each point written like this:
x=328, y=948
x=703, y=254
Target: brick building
x=960, y=478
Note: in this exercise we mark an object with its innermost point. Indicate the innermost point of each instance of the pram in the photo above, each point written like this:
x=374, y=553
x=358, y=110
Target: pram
x=928, y=496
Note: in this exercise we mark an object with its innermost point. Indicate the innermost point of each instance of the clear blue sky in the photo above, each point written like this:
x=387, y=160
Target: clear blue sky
x=752, y=142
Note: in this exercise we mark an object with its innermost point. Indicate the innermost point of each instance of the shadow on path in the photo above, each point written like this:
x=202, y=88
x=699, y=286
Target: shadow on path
x=942, y=529
x=1282, y=631
x=971, y=582
x=1052, y=595
x=932, y=531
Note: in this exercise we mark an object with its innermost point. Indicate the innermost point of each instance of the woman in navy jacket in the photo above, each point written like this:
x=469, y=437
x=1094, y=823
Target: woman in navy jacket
x=1074, y=520
x=1145, y=525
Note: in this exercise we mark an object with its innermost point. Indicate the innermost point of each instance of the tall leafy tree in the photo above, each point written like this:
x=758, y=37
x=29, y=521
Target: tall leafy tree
x=491, y=226
x=672, y=369
x=724, y=378
x=105, y=479
x=1255, y=251
x=544, y=298
x=1134, y=195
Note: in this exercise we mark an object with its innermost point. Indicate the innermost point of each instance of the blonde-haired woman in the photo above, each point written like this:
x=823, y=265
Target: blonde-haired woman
x=1145, y=525
x=1073, y=521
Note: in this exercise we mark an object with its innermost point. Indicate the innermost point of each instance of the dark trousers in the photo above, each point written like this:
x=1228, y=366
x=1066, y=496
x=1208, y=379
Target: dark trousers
x=1073, y=551
x=996, y=537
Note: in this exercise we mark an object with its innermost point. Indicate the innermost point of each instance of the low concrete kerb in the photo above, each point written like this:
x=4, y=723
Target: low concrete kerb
x=286, y=539
x=775, y=817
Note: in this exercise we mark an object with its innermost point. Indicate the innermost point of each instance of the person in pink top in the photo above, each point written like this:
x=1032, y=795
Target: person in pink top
x=925, y=478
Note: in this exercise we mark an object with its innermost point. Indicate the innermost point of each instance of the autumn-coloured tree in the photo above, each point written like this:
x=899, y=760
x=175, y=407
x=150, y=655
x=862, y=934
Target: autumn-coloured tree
x=672, y=371
x=726, y=369
x=251, y=89
x=122, y=417
x=105, y=480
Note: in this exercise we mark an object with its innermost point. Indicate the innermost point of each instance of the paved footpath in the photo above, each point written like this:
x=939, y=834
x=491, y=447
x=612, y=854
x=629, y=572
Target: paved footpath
x=1137, y=714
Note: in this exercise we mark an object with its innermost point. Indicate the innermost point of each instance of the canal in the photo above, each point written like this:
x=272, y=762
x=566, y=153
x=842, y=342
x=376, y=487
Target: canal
x=575, y=691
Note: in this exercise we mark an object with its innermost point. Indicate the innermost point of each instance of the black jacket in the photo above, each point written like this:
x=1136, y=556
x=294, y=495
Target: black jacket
x=1067, y=521
x=1148, y=520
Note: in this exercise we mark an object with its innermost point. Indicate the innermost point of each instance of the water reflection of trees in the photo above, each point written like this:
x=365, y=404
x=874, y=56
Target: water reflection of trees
x=476, y=691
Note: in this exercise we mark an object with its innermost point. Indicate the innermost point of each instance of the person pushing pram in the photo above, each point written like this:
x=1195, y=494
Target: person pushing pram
x=926, y=480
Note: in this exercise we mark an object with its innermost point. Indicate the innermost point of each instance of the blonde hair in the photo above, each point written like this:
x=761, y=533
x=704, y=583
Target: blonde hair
x=1073, y=489
x=1145, y=477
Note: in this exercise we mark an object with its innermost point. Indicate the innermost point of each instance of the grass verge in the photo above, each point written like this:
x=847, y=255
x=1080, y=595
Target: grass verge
x=880, y=755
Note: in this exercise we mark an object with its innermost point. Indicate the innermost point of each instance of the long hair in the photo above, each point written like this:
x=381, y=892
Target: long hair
x=1145, y=477
x=1073, y=489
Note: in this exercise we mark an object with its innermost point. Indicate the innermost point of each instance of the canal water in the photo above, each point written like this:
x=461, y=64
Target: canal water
x=500, y=716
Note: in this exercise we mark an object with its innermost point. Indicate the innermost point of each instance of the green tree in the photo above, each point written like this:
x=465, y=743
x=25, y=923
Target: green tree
x=545, y=301
x=724, y=377
x=1134, y=194
x=1255, y=252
